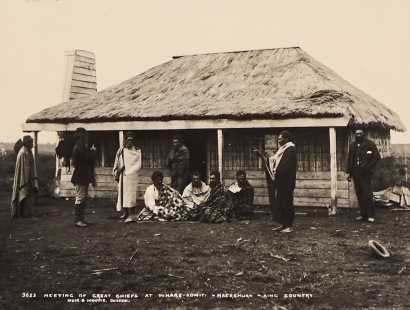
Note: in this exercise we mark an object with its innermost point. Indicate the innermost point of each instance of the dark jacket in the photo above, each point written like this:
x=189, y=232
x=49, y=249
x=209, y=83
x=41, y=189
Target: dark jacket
x=368, y=156
x=286, y=170
x=83, y=161
x=178, y=162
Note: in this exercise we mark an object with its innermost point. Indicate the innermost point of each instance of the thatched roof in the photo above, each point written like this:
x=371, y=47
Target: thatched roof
x=278, y=83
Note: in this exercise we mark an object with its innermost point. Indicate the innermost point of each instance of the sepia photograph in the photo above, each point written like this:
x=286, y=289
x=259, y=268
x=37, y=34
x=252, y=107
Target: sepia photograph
x=203, y=154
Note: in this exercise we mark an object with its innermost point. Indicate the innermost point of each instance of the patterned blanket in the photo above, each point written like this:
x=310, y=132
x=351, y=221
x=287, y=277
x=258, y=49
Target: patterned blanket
x=217, y=209
x=169, y=206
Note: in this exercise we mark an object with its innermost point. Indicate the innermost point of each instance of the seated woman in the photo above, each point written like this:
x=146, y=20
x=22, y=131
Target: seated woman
x=162, y=203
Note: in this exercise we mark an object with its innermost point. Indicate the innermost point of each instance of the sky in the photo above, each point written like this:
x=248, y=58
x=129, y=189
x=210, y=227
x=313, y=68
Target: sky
x=366, y=42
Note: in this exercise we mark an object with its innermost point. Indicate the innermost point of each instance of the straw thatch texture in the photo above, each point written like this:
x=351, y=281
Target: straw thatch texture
x=276, y=83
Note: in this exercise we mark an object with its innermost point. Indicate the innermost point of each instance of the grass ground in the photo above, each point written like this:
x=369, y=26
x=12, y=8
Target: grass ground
x=46, y=262
x=324, y=264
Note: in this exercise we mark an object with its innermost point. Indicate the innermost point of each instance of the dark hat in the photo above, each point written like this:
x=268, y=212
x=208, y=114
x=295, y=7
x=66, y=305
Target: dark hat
x=27, y=139
x=81, y=132
x=178, y=137
x=129, y=136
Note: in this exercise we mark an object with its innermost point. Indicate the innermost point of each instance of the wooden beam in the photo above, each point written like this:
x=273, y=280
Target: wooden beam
x=121, y=138
x=208, y=160
x=102, y=145
x=191, y=124
x=68, y=77
x=333, y=169
x=84, y=78
x=84, y=84
x=220, y=153
x=35, y=145
x=82, y=90
x=84, y=71
x=58, y=165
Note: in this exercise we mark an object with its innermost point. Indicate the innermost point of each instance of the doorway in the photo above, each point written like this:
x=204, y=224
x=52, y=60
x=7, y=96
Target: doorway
x=196, y=141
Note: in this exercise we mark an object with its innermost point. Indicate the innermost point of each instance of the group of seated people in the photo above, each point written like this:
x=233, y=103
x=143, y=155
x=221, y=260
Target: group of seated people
x=199, y=202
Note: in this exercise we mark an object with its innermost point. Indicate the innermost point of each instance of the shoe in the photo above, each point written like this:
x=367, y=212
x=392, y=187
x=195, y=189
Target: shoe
x=80, y=224
x=123, y=216
x=286, y=230
x=360, y=218
x=278, y=228
x=129, y=219
x=370, y=219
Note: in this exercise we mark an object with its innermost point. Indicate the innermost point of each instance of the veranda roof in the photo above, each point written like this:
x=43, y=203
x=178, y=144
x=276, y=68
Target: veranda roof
x=281, y=83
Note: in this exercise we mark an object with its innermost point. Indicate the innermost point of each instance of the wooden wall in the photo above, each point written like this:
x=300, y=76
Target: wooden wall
x=313, y=176
x=312, y=188
x=106, y=185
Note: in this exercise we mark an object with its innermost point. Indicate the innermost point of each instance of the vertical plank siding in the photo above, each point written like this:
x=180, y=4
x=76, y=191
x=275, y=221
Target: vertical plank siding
x=106, y=186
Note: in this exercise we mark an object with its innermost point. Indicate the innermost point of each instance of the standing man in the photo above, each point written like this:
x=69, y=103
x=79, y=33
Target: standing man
x=126, y=166
x=178, y=163
x=281, y=168
x=83, y=175
x=25, y=185
x=363, y=157
x=242, y=193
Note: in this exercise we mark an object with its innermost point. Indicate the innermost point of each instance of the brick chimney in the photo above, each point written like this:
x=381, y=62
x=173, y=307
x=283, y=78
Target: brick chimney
x=80, y=76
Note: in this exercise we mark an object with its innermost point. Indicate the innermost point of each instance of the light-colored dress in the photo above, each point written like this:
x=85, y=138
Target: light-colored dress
x=129, y=161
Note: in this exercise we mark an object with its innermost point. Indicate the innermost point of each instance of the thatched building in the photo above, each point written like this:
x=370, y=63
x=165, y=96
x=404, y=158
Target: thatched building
x=223, y=104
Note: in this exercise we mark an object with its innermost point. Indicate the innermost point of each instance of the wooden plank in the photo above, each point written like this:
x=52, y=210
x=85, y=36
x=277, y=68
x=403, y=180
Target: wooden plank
x=84, y=59
x=84, y=65
x=251, y=174
x=333, y=167
x=84, y=84
x=81, y=90
x=182, y=124
x=85, y=54
x=168, y=125
x=325, y=193
x=261, y=201
x=84, y=71
x=316, y=205
x=301, y=184
x=75, y=95
x=319, y=175
x=84, y=78
x=68, y=78
x=220, y=139
x=342, y=185
x=254, y=183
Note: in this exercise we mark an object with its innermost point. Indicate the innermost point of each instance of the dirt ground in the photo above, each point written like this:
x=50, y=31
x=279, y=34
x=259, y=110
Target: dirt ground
x=46, y=262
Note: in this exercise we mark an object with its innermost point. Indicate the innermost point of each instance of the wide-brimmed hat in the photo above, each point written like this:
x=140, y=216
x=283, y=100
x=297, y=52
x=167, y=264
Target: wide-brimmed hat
x=27, y=139
x=81, y=132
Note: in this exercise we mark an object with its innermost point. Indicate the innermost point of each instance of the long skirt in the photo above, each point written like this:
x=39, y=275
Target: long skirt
x=283, y=209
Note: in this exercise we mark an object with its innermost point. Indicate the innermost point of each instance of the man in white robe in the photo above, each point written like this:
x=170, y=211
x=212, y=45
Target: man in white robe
x=196, y=192
x=126, y=166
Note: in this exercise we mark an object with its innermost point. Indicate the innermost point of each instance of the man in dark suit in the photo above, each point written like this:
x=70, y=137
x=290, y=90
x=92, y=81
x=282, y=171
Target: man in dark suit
x=83, y=175
x=363, y=157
